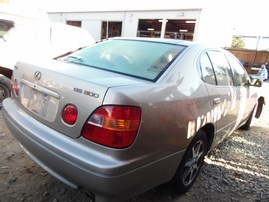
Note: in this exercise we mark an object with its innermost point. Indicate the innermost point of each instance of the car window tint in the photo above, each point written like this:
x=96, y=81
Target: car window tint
x=240, y=75
x=207, y=70
x=221, y=68
x=142, y=59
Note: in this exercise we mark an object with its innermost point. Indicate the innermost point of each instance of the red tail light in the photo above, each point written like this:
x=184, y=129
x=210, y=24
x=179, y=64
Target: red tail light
x=113, y=126
x=70, y=114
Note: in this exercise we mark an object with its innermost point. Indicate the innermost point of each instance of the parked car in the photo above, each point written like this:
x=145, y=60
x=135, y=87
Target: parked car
x=127, y=114
x=28, y=34
x=262, y=73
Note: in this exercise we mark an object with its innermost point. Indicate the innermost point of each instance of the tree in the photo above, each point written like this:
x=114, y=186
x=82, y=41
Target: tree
x=238, y=42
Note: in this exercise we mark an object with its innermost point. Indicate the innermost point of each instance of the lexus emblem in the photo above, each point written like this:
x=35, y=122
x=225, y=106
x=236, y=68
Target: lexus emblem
x=37, y=75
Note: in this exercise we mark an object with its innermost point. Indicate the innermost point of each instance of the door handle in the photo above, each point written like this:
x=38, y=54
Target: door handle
x=216, y=101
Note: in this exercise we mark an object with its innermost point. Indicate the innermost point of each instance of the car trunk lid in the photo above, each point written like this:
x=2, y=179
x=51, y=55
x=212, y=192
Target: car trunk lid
x=45, y=92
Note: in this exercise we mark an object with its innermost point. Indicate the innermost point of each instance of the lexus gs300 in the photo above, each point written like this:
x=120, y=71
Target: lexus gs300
x=127, y=114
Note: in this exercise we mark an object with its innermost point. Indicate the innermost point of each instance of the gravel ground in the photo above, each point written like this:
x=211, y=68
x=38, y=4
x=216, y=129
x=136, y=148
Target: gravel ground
x=237, y=170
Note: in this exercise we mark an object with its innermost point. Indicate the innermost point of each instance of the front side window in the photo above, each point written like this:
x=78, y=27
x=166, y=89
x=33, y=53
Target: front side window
x=240, y=75
x=221, y=68
x=141, y=59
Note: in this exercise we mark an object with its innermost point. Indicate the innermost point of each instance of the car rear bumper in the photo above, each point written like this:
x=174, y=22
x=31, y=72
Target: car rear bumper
x=77, y=165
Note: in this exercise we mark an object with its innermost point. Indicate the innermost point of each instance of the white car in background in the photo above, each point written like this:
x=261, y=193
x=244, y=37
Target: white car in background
x=262, y=73
x=31, y=35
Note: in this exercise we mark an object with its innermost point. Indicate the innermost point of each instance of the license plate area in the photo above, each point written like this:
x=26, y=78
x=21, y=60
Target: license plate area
x=42, y=103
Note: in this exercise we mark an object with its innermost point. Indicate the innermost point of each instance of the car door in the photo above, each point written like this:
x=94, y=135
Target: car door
x=217, y=75
x=245, y=99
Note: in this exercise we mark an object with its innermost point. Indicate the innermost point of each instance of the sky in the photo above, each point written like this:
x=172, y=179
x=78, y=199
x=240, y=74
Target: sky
x=251, y=17
x=245, y=17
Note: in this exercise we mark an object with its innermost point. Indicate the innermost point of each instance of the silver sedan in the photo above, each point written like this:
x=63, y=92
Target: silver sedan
x=128, y=114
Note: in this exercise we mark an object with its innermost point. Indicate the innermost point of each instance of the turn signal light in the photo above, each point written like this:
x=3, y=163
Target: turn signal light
x=113, y=126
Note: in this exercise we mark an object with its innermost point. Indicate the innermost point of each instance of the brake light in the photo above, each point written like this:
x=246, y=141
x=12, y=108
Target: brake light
x=70, y=114
x=113, y=126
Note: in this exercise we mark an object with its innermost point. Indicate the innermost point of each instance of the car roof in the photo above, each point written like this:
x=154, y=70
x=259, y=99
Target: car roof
x=161, y=40
x=189, y=44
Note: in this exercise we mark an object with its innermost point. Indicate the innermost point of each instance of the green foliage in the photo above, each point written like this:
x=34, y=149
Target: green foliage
x=238, y=42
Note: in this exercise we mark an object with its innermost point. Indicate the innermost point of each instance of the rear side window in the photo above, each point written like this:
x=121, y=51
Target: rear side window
x=141, y=59
x=221, y=68
x=207, y=70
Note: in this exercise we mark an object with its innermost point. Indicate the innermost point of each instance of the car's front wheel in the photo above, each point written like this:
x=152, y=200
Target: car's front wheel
x=191, y=164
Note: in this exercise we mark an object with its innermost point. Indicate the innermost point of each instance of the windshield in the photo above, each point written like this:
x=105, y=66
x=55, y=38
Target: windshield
x=5, y=25
x=141, y=59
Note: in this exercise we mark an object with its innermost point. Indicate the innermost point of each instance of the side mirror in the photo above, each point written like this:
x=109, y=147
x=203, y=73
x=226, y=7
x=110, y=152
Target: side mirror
x=255, y=82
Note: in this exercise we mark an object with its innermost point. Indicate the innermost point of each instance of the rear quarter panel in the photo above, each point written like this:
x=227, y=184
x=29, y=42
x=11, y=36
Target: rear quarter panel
x=173, y=109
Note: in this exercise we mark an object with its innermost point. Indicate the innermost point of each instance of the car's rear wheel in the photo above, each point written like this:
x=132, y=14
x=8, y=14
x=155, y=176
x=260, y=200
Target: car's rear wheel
x=191, y=164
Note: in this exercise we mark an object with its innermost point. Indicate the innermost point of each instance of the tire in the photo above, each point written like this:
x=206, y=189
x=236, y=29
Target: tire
x=191, y=164
x=4, y=89
x=246, y=126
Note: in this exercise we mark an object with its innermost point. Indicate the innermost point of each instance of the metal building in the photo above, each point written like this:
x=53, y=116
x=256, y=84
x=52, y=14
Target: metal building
x=180, y=19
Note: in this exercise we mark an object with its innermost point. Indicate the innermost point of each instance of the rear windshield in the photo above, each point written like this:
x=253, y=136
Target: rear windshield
x=141, y=59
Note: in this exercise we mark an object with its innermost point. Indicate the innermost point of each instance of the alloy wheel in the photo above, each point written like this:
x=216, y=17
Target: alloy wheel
x=193, y=163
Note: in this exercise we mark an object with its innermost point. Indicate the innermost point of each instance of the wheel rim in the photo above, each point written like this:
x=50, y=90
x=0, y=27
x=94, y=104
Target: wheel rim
x=193, y=163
